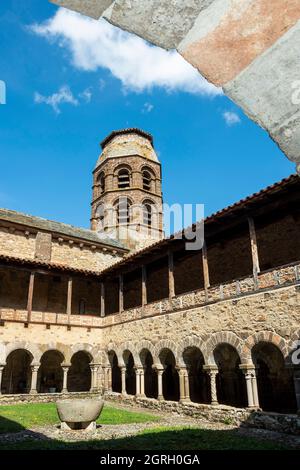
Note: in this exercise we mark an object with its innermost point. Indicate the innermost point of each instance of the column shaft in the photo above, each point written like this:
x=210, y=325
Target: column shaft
x=160, y=384
x=1, y=372
x=34, y=376
x=65, y=379
x=123, y=373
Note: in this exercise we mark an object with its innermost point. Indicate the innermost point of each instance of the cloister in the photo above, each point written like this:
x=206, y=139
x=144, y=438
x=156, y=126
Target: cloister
x=255, y=373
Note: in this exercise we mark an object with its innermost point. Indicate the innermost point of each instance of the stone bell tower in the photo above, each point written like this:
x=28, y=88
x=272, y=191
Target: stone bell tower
x=127, y=194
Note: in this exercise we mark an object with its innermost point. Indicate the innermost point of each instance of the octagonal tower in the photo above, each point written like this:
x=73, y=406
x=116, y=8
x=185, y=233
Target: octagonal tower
x=127, y=194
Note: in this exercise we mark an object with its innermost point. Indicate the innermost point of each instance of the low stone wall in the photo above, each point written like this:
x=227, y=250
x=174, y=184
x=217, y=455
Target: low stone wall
x=44, y=397
x=288, y=424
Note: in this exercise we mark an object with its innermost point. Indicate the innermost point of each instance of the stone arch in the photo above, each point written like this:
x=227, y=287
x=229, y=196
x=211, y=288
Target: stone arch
x=112, y=349
x=50, y=374
x=268, y=337
x=188, y=341
x=226, y=337
x=144, y=345
x=113, y=358
x=79, y=374
x=32, y=349
x=164, y=344
x=17, y=372
x=130, y=346
x=146, y=352
x=81, y=347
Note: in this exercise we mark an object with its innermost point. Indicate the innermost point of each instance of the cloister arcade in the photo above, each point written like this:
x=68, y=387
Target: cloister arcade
x=22, y=373
x=214, y=372
x=223, y=369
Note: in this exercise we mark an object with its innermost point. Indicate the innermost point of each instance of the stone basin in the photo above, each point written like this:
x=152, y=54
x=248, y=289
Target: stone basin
x=79, y=414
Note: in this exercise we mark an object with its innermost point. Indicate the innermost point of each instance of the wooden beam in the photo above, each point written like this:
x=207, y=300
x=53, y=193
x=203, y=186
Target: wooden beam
x=144, y=286
x=69, y=299
x=30, y=296
x=205, y=267
x=171, y=274
x=254, y=248
x=121, y=293
x=102, y=299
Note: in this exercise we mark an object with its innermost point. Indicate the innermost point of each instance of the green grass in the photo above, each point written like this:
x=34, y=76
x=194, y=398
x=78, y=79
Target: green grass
x=14, y=418
x=177, y=438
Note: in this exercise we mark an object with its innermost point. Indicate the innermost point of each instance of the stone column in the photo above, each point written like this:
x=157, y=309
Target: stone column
x=109, y=379
x=255, y=390
x=212, y=372
x=123, y=374
x=184, y=385
x=138, y=382
x=34, y=376
x=65, y=379
x=143, y=382
x=251, y=385
x=94, y=378
x=248, y=377
x=160, y=372
x=297, y=387
x=1, y=372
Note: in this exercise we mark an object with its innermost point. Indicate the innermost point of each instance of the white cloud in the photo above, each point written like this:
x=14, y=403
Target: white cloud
x=137, y=64
x=147, y=108
x=231, y=118
x=102, y=84
x=86, y=95
x=64, y=95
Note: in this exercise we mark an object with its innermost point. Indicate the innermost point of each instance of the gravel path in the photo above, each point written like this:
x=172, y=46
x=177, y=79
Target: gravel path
x=107, y=432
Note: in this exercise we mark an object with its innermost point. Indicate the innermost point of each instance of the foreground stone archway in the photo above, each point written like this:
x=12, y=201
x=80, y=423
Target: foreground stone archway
x=250, y=49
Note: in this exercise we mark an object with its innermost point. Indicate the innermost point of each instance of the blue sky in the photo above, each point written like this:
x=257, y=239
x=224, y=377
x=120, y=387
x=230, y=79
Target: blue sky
x=210, y=151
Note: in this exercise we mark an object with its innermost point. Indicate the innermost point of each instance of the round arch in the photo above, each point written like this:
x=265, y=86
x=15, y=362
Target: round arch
x=226, y=337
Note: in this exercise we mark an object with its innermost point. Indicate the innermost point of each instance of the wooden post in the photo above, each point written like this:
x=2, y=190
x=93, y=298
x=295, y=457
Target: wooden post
x=102, y=299
x=30, y=296
x=254, y=249
x=69, y=299
x=171, y=274
x=144, y=286
x=121, y=293
x=205, y=268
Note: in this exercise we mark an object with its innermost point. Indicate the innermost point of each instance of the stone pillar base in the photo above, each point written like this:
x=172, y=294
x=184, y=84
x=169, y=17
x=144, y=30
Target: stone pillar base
x=78, y=426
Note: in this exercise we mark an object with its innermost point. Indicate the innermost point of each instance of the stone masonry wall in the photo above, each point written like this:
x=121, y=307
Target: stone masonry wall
x=74, y=254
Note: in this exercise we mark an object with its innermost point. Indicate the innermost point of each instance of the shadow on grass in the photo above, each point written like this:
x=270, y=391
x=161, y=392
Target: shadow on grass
x=154, y=439
x=8, y=426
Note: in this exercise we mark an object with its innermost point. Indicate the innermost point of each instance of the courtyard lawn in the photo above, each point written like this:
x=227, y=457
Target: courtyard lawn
x=162, y=438
x=14, y=418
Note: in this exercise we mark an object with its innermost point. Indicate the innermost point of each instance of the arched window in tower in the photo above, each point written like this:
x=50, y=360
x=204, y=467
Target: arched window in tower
x=123, y=179
x=101, y=183
x=147, y=180
x=148, y=207
x=123, y=211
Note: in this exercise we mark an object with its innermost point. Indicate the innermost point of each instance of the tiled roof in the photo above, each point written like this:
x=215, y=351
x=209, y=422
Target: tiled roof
x=57, y=227
x=130, y=130
x=243, y=203
x=47, y=266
